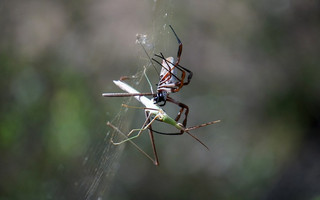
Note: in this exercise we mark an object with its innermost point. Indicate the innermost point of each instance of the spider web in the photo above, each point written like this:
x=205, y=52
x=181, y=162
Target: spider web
x=102, y=162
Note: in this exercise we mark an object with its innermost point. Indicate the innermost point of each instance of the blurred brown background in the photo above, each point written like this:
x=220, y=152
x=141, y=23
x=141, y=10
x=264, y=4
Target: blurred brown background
x=256, y=67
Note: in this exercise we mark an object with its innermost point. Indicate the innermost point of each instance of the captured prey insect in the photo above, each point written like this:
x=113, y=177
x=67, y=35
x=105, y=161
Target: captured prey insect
x=153, y=112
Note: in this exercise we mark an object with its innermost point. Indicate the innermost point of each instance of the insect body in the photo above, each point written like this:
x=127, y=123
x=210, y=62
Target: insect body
x=153, y=113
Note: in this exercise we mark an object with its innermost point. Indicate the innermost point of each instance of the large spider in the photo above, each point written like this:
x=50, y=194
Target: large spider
x=172, y=78
x=170, y=81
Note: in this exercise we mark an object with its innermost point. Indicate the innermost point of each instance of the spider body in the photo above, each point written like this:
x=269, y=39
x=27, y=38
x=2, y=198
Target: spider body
x=172, y=75
x=171, y=79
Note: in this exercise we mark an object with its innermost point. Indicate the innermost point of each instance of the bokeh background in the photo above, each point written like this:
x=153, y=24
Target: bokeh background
x=256, y=67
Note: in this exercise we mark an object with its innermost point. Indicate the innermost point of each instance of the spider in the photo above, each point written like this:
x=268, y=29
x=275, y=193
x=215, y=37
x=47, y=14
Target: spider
x=172, y=78
x=169, y=82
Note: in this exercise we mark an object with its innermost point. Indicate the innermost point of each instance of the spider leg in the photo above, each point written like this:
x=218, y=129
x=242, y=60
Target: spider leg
x=180, y=85
x=167, y=62
x=179, y=67
x=184, y=131
x=162, y=133
x=180, y=46
x=183, y=73
x=183, y=107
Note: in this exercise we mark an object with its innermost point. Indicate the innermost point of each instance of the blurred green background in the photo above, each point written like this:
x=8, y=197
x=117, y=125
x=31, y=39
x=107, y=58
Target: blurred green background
x=256, y=67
